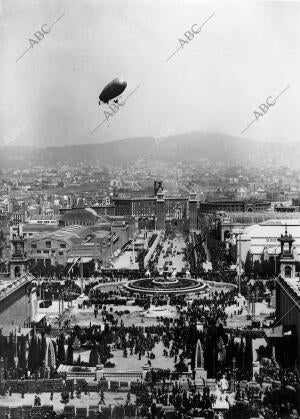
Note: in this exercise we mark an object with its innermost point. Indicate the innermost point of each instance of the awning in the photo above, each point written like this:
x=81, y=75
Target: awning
x=79, y=259
x=39, y=317
x=85, y=260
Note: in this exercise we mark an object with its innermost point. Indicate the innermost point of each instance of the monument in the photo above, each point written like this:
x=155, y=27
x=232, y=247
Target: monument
x=200, y=372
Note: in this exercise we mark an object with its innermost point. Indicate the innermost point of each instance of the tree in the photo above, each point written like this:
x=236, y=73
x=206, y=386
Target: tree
x=43, y=349
x=248, y=267
x=2, y=343
x=248, y=357
x=22, y=353
x=257, y=268
x=241, y=356
x=94, y=357
x=61, y=355
x=33, y=354
x=76, y=344
x=38, y=269
x=181, y=367
x=70, y=351
x=11, y=352
x=59, y=270
x=230, y=351
x=239, y=411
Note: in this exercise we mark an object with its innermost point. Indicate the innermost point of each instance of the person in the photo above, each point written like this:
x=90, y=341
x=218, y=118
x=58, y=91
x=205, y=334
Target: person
x=102, y=401
x=224, y=384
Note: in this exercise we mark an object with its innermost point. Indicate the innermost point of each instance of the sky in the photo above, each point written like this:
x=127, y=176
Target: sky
x=244, y=53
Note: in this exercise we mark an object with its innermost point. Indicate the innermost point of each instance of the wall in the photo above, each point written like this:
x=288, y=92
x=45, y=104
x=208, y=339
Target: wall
x=245, y=246
x=151, y=250
x=287, y=312
x=16, y=308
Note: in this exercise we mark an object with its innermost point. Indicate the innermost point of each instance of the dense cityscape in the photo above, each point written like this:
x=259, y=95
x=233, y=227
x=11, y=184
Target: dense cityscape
x=125, y=295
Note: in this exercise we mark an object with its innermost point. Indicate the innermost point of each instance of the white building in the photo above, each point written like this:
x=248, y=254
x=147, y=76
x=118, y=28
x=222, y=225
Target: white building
x=262, y=239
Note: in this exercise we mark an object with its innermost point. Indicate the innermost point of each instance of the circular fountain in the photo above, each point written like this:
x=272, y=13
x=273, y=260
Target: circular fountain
x=169, y=286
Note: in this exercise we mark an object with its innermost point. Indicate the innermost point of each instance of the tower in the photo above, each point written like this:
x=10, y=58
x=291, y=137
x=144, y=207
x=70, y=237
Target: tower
x=18, y=261
x=192, y=211
x=157, y=186
x=286, y=259
x=160, y=210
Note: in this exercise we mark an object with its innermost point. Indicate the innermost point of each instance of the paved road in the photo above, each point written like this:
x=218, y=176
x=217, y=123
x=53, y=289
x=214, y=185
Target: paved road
x=177, y=260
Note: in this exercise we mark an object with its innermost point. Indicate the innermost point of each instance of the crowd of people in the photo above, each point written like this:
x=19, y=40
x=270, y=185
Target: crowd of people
x=270, y=393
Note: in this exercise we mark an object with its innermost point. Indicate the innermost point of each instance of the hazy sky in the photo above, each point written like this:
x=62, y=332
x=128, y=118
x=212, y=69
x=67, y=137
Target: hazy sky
x=247, y=52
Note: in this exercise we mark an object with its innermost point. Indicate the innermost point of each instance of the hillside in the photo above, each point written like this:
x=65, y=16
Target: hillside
x=184, y=147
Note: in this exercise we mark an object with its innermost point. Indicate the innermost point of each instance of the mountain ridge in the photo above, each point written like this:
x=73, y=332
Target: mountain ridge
x=187, y=147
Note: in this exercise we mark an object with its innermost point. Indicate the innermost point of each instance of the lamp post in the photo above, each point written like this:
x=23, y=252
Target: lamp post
x=234, y=373
x=16, y=357
x=239, y=265
x=81, y=275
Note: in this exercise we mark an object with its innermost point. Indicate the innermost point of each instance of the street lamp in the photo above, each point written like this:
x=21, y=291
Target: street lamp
x=16, y=357
x=239, y=254
x=234, y=373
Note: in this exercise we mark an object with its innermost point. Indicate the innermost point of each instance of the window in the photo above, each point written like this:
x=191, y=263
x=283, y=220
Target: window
x=33, y=246
x=48, y=245
x=288, y=272
x=61, y=253
x=46, y=252
x=62, y=245
x=38, y=251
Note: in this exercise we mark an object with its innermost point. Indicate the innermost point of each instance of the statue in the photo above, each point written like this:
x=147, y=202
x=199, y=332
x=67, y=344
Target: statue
x=224, y=384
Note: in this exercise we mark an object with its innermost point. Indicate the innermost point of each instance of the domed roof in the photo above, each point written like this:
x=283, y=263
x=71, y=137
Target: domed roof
x=81, y=214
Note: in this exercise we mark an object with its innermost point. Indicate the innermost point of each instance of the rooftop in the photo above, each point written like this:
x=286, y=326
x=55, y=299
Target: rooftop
x=81, y=214
x=273, y=228
x=259, y=217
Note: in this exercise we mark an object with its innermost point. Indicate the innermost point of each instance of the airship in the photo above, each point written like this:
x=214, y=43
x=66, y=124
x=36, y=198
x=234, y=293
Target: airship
x=112, y=90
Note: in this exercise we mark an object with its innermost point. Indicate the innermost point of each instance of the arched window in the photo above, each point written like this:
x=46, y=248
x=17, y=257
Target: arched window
x=288, y=272
x=17, y=271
